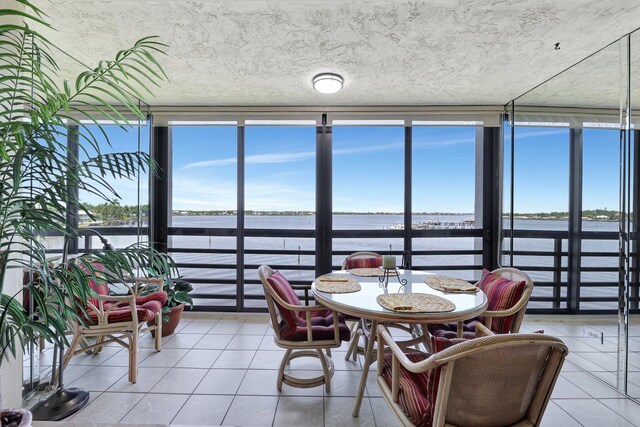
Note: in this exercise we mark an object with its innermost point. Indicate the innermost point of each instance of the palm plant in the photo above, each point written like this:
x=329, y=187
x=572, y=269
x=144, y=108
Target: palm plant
x=38, y=112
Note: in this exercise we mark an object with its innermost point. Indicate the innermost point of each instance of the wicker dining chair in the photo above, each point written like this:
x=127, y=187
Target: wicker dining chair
x=304, y=331
x=508, y=291
x=362, y=259
x=497, y=380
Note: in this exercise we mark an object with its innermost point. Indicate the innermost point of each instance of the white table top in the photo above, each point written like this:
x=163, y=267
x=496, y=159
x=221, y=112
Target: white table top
x=363, y=303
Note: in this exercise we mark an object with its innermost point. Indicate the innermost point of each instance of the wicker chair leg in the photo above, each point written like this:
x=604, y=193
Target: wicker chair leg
x=72, y=348
x=325, y=370
x=133, y=356
x=283, y=364
x=328, y=352
x=158, y=342
x=353, y=346
x=99, y=340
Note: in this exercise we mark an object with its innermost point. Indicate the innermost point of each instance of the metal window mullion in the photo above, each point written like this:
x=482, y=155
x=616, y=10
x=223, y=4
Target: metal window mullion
x=408, y=206
x=635, y=247
x=490, y=196
x=575, y=219
x=160, y=188
x=240, y=219
x=73, y=151
x=324, y=197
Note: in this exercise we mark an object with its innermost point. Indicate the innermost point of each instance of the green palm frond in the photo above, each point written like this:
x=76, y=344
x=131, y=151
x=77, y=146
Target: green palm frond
x=39, y=112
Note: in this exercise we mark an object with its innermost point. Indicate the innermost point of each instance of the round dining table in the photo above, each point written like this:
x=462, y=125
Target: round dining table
x=363, y=304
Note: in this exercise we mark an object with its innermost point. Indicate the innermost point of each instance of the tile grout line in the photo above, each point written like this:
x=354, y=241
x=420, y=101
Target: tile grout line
x=616, y=412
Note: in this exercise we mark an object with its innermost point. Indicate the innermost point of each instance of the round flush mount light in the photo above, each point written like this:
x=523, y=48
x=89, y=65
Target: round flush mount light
x=328, y=82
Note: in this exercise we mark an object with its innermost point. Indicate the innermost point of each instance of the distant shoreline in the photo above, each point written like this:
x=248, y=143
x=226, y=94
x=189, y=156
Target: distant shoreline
x=592, y=215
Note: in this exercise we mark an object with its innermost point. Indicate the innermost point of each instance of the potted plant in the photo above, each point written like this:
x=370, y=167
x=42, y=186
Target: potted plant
x=38, y=185
x=177, y=290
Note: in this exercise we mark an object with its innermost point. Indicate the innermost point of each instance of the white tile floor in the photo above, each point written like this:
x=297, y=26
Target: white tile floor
x=222, y=371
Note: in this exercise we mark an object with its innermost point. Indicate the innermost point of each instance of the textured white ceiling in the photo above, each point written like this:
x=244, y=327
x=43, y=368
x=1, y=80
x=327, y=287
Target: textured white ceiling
x=253, y=53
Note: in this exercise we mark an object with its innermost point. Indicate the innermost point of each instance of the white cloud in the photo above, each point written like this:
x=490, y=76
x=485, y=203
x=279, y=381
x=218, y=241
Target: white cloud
x=257, y=159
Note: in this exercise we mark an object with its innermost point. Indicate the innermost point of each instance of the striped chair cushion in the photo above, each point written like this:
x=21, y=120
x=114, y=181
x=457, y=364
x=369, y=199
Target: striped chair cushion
x=160, y=296
x=146, y=312
x=284, y=290
x=369, y=262
x=502, y=294
x=100, y=287
x=440, y=343
x=417, y=392
x=321, y=327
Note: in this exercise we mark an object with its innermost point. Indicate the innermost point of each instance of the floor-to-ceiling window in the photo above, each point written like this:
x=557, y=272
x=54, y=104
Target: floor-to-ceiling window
x=443, y=200
x=280, y=186
x=368, y=190
x=541, y=209
x=204, y=210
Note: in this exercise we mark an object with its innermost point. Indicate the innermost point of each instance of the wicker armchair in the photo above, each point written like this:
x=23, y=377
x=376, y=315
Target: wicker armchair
x=359, y=327
x=497, y=380
x=506, y=320
x=304, y=331
x=120, y=319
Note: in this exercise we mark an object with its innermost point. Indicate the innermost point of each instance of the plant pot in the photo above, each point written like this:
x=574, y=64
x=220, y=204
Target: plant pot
x=15, y=418
x=170, y=326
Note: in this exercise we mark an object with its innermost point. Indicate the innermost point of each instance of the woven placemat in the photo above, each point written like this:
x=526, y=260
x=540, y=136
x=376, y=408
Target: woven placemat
x=338, y=284
x=415, y=303
x=371, y=272
x=450, y=284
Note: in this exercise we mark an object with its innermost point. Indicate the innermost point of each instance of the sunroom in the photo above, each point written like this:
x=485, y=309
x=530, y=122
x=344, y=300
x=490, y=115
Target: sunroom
x=452, y=140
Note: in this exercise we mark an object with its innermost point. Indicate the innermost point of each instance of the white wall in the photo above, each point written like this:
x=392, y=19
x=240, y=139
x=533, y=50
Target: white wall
x=11, y=371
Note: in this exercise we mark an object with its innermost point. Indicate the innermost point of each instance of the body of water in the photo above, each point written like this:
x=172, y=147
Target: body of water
x=371, y=222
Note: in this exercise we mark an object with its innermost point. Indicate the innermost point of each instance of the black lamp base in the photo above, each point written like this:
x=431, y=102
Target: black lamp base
x=61, y=404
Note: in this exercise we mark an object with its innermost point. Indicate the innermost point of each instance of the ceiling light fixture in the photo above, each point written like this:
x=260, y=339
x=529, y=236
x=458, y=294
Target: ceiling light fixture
x=328, y=82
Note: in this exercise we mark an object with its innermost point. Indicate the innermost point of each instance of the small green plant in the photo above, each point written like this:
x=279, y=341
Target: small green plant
x=177, y=292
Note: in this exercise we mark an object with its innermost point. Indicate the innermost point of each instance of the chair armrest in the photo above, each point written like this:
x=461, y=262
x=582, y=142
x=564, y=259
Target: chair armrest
x=118, y=302
x=385, y=338
x=482, y=330
x=142, y=283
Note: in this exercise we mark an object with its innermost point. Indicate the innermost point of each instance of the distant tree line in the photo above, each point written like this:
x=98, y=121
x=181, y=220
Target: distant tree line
x=113, y=212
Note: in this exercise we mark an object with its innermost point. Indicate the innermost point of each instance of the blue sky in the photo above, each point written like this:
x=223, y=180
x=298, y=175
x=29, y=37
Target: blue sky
x=368, y=168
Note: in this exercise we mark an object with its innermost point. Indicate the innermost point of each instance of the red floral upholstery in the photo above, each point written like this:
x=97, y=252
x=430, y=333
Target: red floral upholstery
x=502, y=294
x=369, y=262
x=321, y=327
x=284, y=290
x=417, y=392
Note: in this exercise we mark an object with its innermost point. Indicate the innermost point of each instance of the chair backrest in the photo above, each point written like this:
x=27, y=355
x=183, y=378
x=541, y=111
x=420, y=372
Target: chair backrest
x=100, y=285
x=274, y=296
x=516, y=275
x=497, y=380
x=362, y=260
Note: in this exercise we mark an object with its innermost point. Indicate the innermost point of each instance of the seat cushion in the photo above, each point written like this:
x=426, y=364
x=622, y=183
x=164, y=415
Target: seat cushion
x=417, y=392
x=450, y=330
x=321, y=327
x=159, y=296
x=146, y=312
x=366, y=262
x=502, y=294
x=283, y=289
